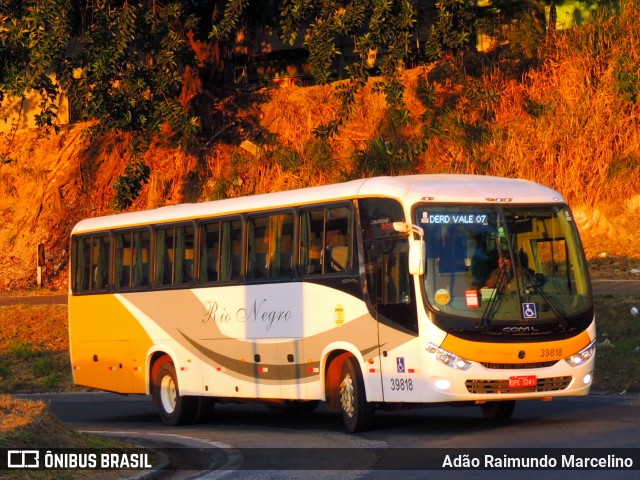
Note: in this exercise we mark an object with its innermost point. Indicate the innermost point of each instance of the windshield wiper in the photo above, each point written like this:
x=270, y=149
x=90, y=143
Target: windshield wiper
x=536, y=281
x=494, y=301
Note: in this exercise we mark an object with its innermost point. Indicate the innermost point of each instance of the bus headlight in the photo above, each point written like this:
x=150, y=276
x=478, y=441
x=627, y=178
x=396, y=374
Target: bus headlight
x=448, y=358
x=583, y=355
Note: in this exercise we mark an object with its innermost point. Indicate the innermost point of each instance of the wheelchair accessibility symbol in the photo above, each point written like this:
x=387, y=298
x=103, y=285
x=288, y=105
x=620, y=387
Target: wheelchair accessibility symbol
x=400, y=364
x=529, y=310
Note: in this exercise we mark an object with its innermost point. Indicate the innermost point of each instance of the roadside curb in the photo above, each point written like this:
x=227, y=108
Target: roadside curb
x=615, y=287
x=156, y=441
x=33, y=300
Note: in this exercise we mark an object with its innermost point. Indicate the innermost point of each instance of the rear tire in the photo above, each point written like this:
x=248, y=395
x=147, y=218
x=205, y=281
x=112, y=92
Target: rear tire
x=498, y=410
x=174, y=408
x=357, y=413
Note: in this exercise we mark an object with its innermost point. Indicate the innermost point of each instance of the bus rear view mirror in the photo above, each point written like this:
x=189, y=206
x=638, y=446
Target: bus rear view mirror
x=416, y=257
x=417, y=248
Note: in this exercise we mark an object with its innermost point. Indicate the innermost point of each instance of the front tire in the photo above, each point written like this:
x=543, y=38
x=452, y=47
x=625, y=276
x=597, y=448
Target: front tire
x=357, y=413
x=174, y=408
x=498, y=410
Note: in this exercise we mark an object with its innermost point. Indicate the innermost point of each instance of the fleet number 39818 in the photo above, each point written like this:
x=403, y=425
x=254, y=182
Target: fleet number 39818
x=402, y=384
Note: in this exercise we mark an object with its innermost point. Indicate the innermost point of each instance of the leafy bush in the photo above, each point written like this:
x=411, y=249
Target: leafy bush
x=41, y=366
x=127, y=187
x=21, y=350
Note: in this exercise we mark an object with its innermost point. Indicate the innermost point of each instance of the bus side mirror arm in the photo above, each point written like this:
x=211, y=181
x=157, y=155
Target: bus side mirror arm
x=417, y=248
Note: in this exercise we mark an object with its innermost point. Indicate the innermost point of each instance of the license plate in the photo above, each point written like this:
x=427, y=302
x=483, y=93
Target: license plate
x=523, y=381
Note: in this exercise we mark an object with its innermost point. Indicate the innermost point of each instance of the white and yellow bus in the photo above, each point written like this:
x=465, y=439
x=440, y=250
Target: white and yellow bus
x=383, y=292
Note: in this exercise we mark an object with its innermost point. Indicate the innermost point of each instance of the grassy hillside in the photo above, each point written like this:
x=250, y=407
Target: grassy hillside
x=565, y=114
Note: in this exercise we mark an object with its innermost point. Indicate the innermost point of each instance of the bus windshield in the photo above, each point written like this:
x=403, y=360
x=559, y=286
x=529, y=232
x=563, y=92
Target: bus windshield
x=492, y=266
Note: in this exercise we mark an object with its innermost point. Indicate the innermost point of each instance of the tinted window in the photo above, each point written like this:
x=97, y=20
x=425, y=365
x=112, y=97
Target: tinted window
x=132, y=259
x=325, y=240
x=174, y=260
x=270, y=246
x=92, y=260
x=220, y=251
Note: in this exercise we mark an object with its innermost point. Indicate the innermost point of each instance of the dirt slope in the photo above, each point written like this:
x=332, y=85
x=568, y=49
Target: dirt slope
x=53, y=180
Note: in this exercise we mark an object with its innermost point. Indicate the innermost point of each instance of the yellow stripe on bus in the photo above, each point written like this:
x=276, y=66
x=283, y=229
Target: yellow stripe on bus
x=515, y=353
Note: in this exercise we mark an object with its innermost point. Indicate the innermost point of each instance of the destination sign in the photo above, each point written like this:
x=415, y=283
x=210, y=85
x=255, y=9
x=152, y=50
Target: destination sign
x=454, y=218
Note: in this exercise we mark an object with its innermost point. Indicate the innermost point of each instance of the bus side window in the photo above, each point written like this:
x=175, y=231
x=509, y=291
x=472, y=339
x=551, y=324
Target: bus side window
x=164, y=240
x=258, y=246
x=220, y=247
x=123, y=260
x=282, y=258
x=82, y=266
x=174, y=260
x=325, y=241
x=100, y=262
x=338, y=239
x=209, y=239
x=93, y=258
x=141, y=258
x=310, y=259
x=395, y=278
x=234, y=250
x=132, y=259
x=270, y=246
x=184, y=261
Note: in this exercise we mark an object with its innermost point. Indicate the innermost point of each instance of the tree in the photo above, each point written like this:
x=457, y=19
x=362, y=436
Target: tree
x=133, y=65
x=33, y=39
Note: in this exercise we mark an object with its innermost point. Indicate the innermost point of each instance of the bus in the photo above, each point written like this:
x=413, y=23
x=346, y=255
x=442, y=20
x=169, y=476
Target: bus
x=378, y=293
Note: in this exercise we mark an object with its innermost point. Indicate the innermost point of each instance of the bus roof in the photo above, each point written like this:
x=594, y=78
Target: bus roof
x=410, y=189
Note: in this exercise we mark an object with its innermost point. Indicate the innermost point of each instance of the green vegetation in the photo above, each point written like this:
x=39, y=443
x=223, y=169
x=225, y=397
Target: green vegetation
x=33, y=370
x=156, y=71
x=34, y=352
x=30, y=423
x=27, y=423
x=618, y=353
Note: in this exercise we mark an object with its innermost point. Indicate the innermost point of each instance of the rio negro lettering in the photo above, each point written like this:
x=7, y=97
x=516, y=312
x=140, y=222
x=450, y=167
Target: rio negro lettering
x=258, y=311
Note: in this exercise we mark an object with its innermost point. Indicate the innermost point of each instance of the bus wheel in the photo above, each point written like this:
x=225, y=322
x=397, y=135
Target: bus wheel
x=498, y=410
x=357, y=413
x=174, y=408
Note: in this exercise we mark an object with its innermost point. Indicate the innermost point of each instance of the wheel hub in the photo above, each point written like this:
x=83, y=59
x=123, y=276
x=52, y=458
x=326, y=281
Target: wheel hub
x=168, y=394
x=347, y=398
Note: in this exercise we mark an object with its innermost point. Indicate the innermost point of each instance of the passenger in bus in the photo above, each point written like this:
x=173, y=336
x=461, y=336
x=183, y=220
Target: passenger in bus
x=483, y=262
x=502, y=275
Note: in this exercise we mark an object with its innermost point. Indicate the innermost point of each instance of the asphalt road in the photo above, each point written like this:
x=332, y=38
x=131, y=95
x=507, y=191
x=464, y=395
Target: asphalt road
x=9, y=300
x=249, y=442
x=615, y=287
